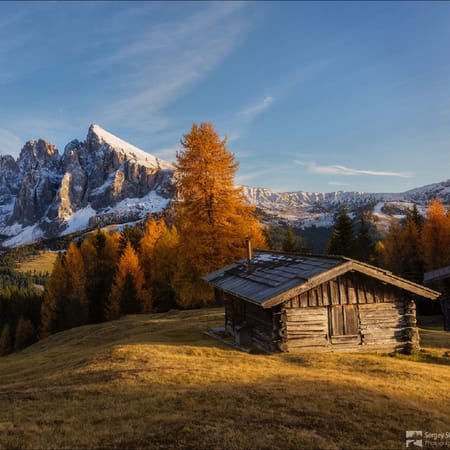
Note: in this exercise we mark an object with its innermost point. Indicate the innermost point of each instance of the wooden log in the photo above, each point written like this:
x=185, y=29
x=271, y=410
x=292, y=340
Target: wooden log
x=325, y=294
x=300, y=312
x=352, y=299
x=343, y=297
x=334, y=292
x=303, y=300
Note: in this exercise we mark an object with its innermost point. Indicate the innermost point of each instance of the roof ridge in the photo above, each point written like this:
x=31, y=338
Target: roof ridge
x=300, y=254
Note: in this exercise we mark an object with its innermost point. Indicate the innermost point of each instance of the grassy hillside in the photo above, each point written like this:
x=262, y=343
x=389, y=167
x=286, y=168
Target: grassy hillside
x=155, y=381
x=41, y=263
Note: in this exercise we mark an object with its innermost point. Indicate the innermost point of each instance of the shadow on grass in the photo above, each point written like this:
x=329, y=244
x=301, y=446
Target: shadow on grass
x=274, y=412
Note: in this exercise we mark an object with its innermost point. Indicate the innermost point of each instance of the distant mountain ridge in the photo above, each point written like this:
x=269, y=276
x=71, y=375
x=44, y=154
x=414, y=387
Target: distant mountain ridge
x=318, y=208
x=104, y=180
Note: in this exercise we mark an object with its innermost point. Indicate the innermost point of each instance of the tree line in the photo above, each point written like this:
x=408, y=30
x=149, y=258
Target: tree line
x=409, y=247
x=20, y=303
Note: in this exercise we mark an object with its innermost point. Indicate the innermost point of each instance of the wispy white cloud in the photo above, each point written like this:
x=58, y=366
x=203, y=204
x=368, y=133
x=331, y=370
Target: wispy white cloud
x=244, y=178
x=164, y=62
x=338, y=183
x=280, y=89
x=250, y=112
x=348, y=171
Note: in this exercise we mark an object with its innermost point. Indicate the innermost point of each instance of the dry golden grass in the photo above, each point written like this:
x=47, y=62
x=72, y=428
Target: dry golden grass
x=155, y=381
x=40, y=263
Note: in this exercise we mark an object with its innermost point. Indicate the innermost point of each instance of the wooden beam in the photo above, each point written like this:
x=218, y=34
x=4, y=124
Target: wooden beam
x=352, y=265
x=389, y=278
x=310, y=284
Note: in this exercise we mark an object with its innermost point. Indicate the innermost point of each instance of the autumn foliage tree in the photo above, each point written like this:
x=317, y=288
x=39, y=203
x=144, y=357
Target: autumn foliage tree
x=77, y=302
x=401, y=250
x=210, y=214
x=128, y=294
x=154, y=228
x=436, y=236
x=52, y=310
x=418, y=244
x=164, y=269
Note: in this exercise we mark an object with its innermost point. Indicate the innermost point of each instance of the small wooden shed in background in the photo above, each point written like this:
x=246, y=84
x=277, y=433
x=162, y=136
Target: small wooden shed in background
x=440, y=279
x=284, y=302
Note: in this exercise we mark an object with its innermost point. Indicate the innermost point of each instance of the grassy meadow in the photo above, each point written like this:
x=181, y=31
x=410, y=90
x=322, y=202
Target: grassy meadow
x=41, y=263
x=156, y=381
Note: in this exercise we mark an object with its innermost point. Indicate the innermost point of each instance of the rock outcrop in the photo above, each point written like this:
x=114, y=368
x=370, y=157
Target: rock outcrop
x=57, y=193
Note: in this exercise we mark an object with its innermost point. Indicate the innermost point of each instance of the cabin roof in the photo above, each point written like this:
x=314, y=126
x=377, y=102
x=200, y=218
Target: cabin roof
x=272, y=278
x=437, y=275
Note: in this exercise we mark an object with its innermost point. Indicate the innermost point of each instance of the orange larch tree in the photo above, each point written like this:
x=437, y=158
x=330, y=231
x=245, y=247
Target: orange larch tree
x=128, y=294
x=436, y=236
x=211, y=216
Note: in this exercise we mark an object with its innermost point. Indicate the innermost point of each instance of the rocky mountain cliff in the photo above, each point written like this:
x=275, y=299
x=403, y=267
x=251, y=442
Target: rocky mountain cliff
x=99, y=181
x=105, y=180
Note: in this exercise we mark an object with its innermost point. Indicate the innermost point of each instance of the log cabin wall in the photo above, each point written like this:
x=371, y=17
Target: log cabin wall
x=264, y=330
x=352, y=312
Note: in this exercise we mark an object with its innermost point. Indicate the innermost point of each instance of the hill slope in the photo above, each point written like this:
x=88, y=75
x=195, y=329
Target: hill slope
x=155, y=381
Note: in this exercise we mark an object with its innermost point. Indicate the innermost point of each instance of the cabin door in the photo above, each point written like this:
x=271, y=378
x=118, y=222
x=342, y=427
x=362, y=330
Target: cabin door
x=344, y=324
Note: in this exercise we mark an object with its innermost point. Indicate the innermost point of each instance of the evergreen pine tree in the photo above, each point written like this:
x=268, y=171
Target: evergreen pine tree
x=131, y=234
x=268, y=237
x=413, y=215
x=364, y=246
x=341, y=241
x=99, y=252
x=290, y=241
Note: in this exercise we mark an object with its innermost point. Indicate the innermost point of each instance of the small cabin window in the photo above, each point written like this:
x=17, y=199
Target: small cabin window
x=344, y=320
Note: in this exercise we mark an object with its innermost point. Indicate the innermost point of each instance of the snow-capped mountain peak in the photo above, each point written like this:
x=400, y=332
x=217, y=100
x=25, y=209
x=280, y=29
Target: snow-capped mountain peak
x=100, y=181
x=99, y=135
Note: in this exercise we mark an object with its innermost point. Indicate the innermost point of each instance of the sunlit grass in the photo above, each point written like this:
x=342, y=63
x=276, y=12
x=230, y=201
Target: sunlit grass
x=155, y=381
x=41, y=263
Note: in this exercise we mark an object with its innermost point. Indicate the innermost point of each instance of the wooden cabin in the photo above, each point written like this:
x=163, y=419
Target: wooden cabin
x=284, y=302
x=440, y=279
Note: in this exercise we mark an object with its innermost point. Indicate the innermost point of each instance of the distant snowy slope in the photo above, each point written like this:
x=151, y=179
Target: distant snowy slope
x=319, y=208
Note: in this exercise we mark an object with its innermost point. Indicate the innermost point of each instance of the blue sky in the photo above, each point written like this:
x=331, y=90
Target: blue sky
x=317, y=96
